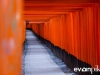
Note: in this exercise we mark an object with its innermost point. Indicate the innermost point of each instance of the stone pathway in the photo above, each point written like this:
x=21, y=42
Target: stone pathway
x=39, y=60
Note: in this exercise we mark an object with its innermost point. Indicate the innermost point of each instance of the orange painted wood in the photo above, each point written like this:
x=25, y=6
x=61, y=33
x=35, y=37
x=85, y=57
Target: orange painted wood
x=62, y=22
x=77, y=32
x=24, y=31
x=11, y=33
x=99, y=35
x=95, y=12
x=29, y=25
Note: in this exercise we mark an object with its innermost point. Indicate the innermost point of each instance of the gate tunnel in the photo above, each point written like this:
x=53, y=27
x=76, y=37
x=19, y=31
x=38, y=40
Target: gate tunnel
x=70, y=28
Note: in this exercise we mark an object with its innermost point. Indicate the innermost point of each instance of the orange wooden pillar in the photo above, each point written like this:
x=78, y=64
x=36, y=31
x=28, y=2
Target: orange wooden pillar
x=29, y=26
x=24, y=31
x=99, y=35
x=76, y=34
x=10, y=37
x=96, y=20
x=46, y=30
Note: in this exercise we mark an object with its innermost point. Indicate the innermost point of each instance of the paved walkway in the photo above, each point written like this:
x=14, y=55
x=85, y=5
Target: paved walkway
x=37, y=60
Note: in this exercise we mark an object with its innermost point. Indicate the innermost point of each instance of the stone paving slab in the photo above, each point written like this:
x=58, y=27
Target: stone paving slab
x=37, y=61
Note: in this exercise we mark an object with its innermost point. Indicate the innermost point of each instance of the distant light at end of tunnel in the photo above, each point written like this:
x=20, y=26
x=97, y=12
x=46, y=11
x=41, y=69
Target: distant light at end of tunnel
x=36, y=22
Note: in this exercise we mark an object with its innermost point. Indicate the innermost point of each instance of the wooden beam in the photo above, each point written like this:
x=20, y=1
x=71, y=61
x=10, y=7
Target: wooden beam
x=61, y=1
